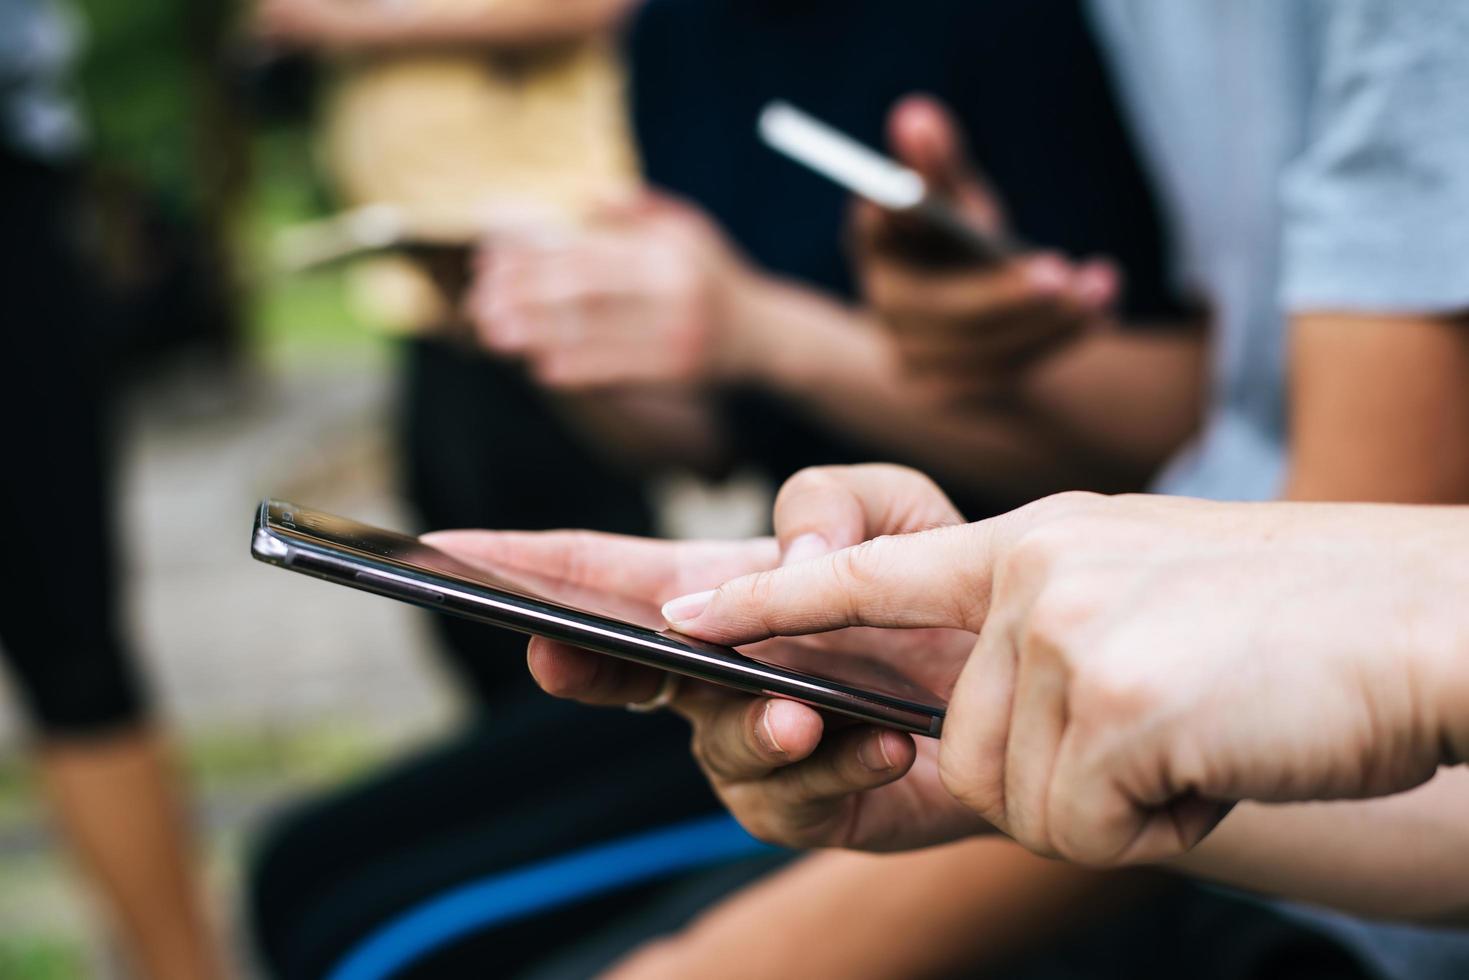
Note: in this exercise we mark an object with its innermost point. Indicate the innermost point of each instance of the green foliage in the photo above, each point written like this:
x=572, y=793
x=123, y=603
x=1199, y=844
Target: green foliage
x=42, y=957
x=145, y=78
x=295, y=315
x=224, y=761
x=138, y=84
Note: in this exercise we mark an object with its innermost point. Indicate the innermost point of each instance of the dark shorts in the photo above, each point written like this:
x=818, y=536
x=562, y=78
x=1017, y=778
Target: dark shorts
x=58, y=607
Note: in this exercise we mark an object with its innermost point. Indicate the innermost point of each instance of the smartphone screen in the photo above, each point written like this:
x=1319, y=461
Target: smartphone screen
x=403, y=567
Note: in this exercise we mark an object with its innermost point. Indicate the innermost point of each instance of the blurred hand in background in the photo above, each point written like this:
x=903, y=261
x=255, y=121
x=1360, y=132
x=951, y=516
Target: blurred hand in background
x=650, y=293
x=966, y=330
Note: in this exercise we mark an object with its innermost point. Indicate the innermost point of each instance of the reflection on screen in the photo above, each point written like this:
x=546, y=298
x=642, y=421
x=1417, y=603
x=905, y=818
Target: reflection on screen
x=791, y=653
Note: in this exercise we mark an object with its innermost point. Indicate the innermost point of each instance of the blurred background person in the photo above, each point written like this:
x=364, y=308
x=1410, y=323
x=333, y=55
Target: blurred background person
x=102, y=754
x=707, y=331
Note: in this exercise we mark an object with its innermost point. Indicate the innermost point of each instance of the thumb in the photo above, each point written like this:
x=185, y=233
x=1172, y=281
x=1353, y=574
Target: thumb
x=825, y=508
x=937, y=578
x=926, y=137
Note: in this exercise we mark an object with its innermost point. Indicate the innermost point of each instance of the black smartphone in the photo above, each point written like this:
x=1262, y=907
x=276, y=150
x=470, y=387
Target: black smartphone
x=934, y=234
x=403, y=567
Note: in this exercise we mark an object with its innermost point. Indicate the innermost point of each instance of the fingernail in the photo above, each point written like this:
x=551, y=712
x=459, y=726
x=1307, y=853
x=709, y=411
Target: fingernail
x=806, y=547
x=873, y=753
x=687, y=607
x=533, y=656
x=765, y=731
x=1096, y=284
x=1047, y=273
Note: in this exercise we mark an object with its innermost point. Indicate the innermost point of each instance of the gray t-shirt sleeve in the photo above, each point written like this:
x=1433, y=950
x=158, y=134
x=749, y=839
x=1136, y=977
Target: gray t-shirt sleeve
x=1376, y=207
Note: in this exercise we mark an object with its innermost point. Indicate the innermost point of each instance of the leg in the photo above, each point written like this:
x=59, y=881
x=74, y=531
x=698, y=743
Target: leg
x=118, y=804
x=103, y=764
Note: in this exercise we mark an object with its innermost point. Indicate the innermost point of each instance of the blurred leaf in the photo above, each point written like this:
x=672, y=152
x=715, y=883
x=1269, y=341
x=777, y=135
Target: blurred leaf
x=41, y=958
x=137, y=83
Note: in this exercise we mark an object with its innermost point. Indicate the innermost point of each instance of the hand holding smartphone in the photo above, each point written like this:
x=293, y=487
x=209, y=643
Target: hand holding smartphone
x=403, y=567
x=937, y=233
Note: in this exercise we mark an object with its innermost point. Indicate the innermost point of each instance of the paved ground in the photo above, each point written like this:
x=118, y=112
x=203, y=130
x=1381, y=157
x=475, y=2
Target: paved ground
x=235, y=641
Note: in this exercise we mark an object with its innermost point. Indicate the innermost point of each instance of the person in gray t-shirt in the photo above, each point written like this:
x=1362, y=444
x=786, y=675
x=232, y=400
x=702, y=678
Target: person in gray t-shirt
x=1314, y=157
x=1313, y=160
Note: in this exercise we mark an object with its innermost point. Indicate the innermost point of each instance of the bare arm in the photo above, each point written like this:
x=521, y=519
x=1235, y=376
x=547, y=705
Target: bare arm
x=940, y=912
x=347, y=26
x=1132, y=396
x=1379, y=412
x=654, y=296
x=120, y=813
x=1402, y=857
x=1379, y=408
x=843, y=369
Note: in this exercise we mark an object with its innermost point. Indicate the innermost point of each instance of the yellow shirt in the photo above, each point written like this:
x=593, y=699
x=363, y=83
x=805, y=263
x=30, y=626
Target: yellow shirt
x=461, y=142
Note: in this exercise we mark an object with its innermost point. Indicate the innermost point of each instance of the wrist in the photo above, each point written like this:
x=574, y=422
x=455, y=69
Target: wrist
x=1454, y=679
x=744, y=314
x=797, y=343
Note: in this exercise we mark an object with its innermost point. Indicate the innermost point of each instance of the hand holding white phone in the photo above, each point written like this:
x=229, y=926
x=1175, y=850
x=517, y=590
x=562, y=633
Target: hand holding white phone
x=875, y=178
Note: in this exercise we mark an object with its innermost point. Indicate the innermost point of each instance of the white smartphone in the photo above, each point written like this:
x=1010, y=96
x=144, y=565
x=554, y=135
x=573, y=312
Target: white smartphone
x=876, y=178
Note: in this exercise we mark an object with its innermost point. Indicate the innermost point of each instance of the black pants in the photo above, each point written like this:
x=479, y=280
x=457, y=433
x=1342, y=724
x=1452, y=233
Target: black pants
x=525, y=784
x=58, y=609
x=1187, y=930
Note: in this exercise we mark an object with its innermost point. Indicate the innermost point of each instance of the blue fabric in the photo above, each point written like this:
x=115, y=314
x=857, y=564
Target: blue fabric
x=558, y=881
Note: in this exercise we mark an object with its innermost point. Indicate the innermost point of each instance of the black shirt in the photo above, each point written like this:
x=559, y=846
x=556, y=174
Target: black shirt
x=1023, y=76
